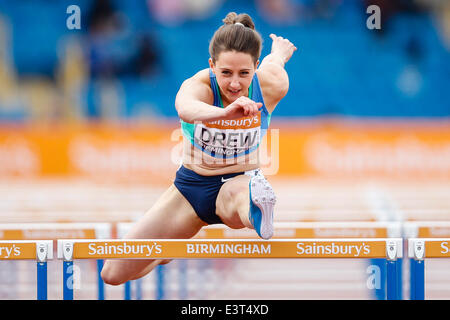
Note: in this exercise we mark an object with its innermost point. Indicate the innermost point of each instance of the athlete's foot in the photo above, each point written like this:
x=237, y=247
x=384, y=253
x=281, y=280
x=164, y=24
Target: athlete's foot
x=262, y=202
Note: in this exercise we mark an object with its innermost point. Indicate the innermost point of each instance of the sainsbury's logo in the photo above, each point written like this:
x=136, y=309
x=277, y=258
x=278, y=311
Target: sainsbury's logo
x=124, y=248
x=238, y=123
x=7, y=252
x=333, y=249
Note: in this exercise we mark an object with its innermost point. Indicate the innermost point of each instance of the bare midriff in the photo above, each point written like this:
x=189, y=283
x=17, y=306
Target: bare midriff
x=206, y=165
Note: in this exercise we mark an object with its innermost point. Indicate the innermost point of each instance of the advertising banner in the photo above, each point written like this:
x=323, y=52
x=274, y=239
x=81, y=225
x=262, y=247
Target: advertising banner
x=289, y=149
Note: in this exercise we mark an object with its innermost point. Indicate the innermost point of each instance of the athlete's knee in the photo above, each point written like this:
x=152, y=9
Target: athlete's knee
x=111, y=275
x=236, y=194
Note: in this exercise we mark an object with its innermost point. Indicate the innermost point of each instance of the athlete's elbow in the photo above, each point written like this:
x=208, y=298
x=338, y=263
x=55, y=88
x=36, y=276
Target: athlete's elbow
x=183, y=114
x=186, y=117
x=284, y=89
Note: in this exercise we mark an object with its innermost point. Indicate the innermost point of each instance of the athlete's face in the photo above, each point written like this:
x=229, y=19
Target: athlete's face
x=234, y=73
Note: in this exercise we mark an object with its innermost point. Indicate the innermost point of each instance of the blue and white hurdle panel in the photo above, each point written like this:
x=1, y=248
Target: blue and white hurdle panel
x=70, y=250
x=54, y=231
x=426, y=239
x=41, y=251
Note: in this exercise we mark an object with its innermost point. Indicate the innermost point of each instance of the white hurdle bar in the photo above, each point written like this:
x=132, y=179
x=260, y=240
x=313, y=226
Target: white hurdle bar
x=356, y=248
x=40, y=250
x=55, y=231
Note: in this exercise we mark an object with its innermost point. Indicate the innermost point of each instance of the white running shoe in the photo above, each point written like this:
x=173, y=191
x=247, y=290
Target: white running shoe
x=262, y=202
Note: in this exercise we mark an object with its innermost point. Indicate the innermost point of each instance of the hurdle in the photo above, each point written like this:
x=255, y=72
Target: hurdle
x=55, y=231
x=356, y=248
x=41, y=251
x=420, y=249
x=319, y=229
x=291, y=230
x=424, y=230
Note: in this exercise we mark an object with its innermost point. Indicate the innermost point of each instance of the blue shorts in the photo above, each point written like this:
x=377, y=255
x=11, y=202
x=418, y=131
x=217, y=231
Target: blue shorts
x=201, y=192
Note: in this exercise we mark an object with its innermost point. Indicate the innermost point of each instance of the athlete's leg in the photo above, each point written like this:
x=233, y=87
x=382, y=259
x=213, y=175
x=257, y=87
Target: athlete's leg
x=246, y=201
x=171, y=216
x=232, y=204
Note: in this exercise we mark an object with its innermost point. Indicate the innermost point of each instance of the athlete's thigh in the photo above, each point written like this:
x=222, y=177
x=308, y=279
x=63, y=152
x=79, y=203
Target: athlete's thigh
x=170, y=217
x=233, y=197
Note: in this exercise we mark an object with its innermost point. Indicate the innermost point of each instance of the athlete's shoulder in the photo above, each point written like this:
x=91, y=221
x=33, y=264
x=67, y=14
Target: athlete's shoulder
x=201, y=77
x=197, y=86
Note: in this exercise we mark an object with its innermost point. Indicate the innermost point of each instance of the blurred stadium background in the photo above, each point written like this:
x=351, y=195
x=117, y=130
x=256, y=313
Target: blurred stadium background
x=88, y=127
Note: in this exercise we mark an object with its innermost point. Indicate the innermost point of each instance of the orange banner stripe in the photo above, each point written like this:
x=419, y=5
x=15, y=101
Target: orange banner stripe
x=17, y=250
x=296, y=248
x=437, y=248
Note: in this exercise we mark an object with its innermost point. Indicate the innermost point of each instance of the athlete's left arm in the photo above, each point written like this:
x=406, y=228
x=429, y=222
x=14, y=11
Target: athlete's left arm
x=271, y=73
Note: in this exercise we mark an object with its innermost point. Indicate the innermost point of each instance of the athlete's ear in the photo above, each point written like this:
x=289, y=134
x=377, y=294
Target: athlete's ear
x=257, y=64
x=211, y=64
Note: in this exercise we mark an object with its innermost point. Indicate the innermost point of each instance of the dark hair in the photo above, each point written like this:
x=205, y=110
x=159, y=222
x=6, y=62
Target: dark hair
x=237, y=34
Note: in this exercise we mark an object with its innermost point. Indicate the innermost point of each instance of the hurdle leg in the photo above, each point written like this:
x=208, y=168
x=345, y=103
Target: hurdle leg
x=380, y=292
x=159, y=282
x=41, y=280
x=182, y=279
x=42, y=251
x=412, y=273
x=138, y=288
x=399, y=278
x=392, y=280
x=417, y=279
x=68, y=280
x=127, y=290
x=100, y=283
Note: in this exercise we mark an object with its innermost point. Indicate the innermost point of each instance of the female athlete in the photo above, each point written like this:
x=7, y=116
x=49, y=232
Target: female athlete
x=224, y=110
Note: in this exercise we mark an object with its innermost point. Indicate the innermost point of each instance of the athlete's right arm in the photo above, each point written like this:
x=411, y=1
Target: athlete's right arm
x=194, y=103
x=191, y=102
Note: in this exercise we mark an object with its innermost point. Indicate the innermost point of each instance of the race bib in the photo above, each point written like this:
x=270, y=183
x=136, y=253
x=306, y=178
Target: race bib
x=228, y=138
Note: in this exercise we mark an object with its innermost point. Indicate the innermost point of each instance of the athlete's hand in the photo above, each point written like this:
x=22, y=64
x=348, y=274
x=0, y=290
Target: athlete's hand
x=242, y=107
x=282, y=47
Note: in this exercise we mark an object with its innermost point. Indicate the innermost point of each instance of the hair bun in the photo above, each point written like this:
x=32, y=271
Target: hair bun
x=243, y=18
x=230, y=18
